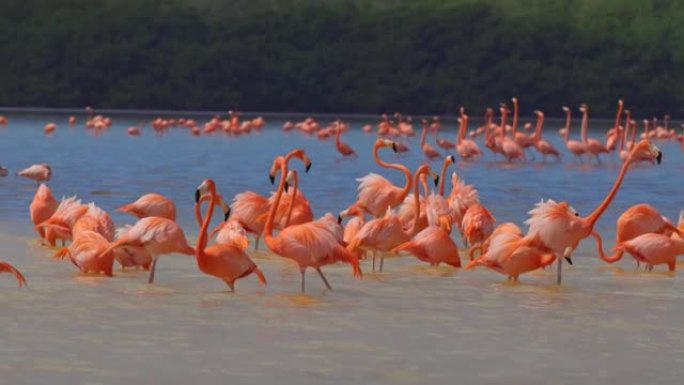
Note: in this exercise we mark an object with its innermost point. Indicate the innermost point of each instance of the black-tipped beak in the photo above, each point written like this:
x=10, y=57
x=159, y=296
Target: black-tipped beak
x=569, y=260
x=287, y=186
x=197, y=196
x=437, y=181
x=226, y=215
x=308, y=167
x=394, y=147
x=272, y=179
x=339, y=220
x=659, y=158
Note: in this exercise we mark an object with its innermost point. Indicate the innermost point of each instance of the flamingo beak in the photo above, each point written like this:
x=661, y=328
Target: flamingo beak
x=339, y=220
x=569, y=260
x=394, y=147
x=271, y=178
x=287, y=186
x=197, y=195
x=226, y=215
x=308, y=167
x=659, y=157
x=436, y=180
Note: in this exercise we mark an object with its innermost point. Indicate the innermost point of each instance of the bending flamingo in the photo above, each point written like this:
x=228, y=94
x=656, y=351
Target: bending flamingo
x=7, y=268
x=151, y=205
x=342, y=148
x=42, y=207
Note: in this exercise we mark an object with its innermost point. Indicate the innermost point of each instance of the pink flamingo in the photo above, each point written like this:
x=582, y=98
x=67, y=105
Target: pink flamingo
x=308, y=244
x=614, y=133
x=594, y=147
x=523, y=140
x=578, y=148
x=543, y=146
x=42, y=207
x=226, y=262
x=654, y=249
x=386, y=233
x=151, y=205
x=429, y=151
x=89, y=253
x=37, y=172
x=559, y=228
x=445, y=144
x=59, y=225
x=466, y=148
x=95, y=219
x=50, y=128
x=433, y=245
x=477, y=224
x=509, y=148
x=375, y=192
x=342, y=148
x=7, y=268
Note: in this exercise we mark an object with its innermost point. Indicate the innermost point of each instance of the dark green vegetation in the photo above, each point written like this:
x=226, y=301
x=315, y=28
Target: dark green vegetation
x=343, y=55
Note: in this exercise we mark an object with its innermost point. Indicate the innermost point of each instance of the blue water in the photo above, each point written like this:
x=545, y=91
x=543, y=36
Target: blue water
x=411, y=324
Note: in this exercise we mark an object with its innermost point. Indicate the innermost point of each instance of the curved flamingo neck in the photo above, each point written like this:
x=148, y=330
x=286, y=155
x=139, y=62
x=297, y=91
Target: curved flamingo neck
x=268, y=227
x=337, y=137
x=396, y=166
x=599, y=249
x=623, y=136
x=423, y=135
x=585, y=123
x=594, y=216
x=442, y=176
x=537, y=130
x=294, y=197
x=617, y=116
x=464, y=121
x=198, y=205
x=633, y=139
x=202, y=238
x=504, y=113
x=423, y=169
x=514, y=128
x=567, y=125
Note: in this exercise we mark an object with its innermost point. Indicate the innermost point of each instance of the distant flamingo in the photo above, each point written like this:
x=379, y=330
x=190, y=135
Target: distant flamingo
x=523, y=140
x=433, y=245
x=614, y=133
x=226, y=262
x=638, y=220
x=72, y=120
x=156, y=234
x=384, y=234
x=7, y=268
x=342, y=148
x=49, y=128
x=151, y=205
x=429, y=151
x=594, y=147
x=307, y=244
x=133, y=131
x=37, y=172
x=445, y=144
x=578, y=148
x=559, y=228
x=510, y=149
x=95, y=219
x=543, y=146
x=89, y=252
x=42, y=207
x=466, y=148
x=375, y=192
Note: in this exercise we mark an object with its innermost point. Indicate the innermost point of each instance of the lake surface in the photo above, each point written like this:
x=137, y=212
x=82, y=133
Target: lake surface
x=607, y=324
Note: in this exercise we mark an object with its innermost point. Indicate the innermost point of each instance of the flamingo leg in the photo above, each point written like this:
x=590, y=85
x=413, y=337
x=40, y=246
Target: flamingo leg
x=382, y=261
x=559, y=257
x=325, y=280
x=231, y=285
x=256, y=243
x=373, y=260
x=152, y=270
x=303, y=271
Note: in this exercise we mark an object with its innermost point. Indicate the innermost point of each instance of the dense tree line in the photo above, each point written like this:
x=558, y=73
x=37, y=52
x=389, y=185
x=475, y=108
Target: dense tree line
x=343, y=55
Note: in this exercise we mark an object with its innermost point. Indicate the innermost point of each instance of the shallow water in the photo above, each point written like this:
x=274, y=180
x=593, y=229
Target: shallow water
x=410, y=324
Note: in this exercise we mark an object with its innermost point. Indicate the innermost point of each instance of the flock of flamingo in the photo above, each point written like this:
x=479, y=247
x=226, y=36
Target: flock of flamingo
x=385, y=219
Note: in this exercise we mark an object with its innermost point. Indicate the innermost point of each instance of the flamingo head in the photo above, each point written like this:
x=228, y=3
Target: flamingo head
x=648, y=150
x=290, y=179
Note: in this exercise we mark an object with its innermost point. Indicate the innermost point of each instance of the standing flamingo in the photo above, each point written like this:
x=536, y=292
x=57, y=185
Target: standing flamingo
x=578, y=148
x=614, y=133
x=59, y=225
x=510, y=149
x=594, y=147
x=445, y=144
x=226, y=262
x=523, y=140
x=654, y=249
x=156, y=234
x=466, y=148
x=89, y=253
x=307, y=244
x=37, y=172
x=384, y=234
x=7, y=268
x=543, y=146
x=429, y=151
x=433, y=245
x=151, y=205
x=558, y=227
x=42, y=207
x=342, y=148
x=375, y=192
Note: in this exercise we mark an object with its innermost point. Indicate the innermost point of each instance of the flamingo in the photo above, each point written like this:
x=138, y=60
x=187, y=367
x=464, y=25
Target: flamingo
x=158, y=236
x=506, y=251
x=543, y=146
x=308, y=244
x=623, y=151
x=95, y=219
x=230, y=231
x=226, y=262
x=37, y=172
x=638, y=220
x=433, y=245
x=559, y=228
x=89, y=252
x=578, y=148
x=42, y=206
x=376, y=193
x=594, y=147
x=151, y=205
x=477, y=224
x=342, y=148
x=510, y=149
x=523, y=140
x=613, y=134
x=654, y=249
x=386, y=233
x=59, y=225
x=445, y=144
x=429, y=151
x=466, y=148
x=7, y=268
